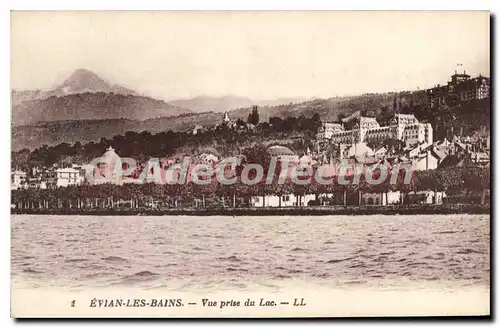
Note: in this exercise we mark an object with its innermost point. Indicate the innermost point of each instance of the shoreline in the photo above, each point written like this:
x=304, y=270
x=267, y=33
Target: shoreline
x=271, y=211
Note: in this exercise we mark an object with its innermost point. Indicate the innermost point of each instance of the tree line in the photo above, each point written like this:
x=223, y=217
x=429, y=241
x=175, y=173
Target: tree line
x=228, y=139
x=465, y=181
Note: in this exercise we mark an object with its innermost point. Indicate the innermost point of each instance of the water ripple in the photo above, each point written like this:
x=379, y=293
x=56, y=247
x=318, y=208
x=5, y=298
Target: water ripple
x=149, y=251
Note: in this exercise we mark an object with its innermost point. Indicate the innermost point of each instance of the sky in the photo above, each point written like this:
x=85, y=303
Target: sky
x=261, y=55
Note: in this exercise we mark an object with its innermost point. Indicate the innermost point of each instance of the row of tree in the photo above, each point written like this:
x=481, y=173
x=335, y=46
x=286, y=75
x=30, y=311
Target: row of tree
x=471, y=181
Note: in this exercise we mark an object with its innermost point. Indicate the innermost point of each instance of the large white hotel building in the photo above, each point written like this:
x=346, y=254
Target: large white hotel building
x=404, y=127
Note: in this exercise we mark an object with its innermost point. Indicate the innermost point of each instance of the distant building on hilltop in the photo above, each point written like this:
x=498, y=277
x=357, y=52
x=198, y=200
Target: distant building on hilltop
x=462, y=88
x=198, y=129
x=225, y=119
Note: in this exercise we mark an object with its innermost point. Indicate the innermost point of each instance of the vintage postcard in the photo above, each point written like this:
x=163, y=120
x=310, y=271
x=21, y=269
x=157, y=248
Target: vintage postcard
x=234, y=164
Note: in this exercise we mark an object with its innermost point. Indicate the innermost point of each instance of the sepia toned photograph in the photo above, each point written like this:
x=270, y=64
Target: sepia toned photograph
x=250, y=164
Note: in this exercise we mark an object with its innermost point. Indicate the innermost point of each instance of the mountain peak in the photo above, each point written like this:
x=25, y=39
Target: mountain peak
x=84, y=80
x=83, y=73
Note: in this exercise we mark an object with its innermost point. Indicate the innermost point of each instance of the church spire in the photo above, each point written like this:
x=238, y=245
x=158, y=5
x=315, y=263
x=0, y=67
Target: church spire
x=226, y=118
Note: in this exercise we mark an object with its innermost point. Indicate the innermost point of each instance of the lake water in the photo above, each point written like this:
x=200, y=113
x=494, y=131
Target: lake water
x=250, y=253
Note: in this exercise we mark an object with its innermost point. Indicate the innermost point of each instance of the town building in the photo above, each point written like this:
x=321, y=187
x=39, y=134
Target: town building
x=403, y=127
x=288, y=200
x=198, y=129
x=425, y=197
x=381, y=153
x=462, y=88
x=17, y=180
x=283, y=154
x=358, y=150
x=327, y=129
x=461, y=151
x=68, y=177
x=426, y=160
x=36, y=183
x=382, y=198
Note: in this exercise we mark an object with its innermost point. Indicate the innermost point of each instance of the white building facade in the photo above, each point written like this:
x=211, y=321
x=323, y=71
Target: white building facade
x=283, y=154
x=68, y=177
x=17, y=180
x=404, y=127
x=288, y=200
